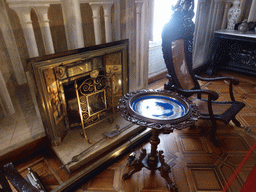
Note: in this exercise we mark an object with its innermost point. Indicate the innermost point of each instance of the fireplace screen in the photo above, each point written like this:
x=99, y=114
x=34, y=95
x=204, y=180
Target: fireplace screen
x=80, y=87
x=94, y=99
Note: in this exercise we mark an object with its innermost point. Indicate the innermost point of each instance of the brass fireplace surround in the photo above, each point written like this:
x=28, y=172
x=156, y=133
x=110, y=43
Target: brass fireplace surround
x=68, y=84
x=80, y=90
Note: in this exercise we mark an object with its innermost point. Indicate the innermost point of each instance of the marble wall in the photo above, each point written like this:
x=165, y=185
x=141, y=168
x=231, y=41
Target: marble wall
x=36, y=28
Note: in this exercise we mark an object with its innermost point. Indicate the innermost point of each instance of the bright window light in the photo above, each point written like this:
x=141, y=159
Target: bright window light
x=162, y=14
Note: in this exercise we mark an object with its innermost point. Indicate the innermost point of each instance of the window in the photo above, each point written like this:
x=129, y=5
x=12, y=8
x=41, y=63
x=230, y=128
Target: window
x=162, y=14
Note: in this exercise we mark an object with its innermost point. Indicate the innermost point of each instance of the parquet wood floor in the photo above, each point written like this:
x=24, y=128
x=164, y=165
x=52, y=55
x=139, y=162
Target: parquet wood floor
x=197, y=165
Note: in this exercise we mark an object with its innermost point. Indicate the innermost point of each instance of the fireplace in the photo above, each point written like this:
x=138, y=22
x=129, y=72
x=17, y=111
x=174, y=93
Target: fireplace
x=80, y=87
x=77, y=94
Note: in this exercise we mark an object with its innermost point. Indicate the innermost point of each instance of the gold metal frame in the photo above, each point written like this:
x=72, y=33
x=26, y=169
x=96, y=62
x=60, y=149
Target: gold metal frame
x=89, y=114
x=60, y=69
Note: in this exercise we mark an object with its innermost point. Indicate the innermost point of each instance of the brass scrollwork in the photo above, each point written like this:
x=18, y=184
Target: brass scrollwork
x=94, y=96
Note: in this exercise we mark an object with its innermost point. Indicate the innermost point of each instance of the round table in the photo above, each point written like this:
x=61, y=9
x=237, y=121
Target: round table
x=163, y=111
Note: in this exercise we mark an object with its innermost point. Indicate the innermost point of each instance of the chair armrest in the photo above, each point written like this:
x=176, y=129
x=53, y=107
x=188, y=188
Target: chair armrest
x=232, y=80
x=212, y=94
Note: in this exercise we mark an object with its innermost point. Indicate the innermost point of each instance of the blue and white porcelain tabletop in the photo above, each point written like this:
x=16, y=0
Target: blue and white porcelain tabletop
x=158, y=107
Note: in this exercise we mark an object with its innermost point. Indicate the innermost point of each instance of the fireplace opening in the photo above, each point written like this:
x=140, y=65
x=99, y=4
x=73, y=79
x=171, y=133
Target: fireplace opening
x=72, y=106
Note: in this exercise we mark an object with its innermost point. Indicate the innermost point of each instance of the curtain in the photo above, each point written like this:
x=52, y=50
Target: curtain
x=209, y=17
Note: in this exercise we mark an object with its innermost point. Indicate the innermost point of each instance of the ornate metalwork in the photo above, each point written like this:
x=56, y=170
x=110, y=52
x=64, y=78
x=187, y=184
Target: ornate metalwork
x=54, y=76
x=167, y=125
x=244, y=58
x=94, y=101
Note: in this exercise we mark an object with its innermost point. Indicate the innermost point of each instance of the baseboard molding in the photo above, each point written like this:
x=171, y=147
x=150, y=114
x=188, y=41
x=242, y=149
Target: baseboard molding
x=157, y=77
x=201, y=69
x=24, y=150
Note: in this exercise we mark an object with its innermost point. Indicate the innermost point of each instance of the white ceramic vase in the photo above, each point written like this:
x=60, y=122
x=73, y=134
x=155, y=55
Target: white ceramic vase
x=233, y=15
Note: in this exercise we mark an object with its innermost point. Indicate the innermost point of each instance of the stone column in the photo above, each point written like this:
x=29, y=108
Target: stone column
x=5, y=99
x=42, y=13
x=24, y=14
x=96, y=21
x=73, y=23
x=107, y=16
x=11, y=45
x=139, y=69
x=117, y=33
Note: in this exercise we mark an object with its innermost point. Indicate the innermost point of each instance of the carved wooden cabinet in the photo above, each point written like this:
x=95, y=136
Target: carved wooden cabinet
x=233, y=50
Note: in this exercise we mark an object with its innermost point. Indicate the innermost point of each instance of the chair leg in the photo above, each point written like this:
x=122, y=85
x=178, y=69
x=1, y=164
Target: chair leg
x=236, y=122
x=213, y=132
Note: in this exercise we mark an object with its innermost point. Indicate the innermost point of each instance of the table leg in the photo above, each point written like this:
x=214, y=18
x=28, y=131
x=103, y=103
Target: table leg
x=153, y=161
x=165, y=169
x=136, y=164
x=153, y=156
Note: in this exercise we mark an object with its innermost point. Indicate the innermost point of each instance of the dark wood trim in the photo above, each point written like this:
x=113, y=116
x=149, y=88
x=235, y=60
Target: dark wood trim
x=75, y=51
x=25, y=151
x=98, y=165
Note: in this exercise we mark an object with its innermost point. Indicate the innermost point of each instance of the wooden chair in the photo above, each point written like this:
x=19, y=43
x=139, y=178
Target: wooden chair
x=177, y=45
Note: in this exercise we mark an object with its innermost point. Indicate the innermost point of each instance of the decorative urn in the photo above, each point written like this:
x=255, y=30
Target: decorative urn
x=243, y=27
x=233, y=15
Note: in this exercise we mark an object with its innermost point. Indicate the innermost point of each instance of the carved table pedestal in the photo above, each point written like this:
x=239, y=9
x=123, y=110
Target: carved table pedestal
x=163, y=111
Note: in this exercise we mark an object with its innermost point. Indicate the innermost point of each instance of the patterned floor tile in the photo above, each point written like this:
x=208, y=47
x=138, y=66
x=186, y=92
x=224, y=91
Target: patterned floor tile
x=198, y=165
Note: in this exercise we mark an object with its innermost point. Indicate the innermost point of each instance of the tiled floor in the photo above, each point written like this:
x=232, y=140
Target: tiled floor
x=24, y=125
x=246, y=92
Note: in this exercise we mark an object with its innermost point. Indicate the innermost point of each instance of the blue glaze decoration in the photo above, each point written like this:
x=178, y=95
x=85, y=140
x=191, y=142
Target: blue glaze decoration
x=158, y=107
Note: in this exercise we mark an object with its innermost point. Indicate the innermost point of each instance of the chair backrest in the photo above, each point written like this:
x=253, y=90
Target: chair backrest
x=177, y=45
